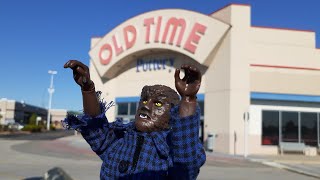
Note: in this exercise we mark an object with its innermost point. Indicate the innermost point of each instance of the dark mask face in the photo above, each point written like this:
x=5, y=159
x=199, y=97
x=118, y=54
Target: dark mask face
x=153, y=113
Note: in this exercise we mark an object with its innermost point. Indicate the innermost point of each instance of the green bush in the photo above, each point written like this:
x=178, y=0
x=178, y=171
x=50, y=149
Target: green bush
x=33, y=119
x=53, y=128
x=32, y=128
x=4, y=128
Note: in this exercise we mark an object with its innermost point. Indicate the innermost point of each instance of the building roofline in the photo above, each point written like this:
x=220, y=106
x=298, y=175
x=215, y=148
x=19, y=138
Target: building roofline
x=285, y=29
x=253, y=26
x=58, y=110
x=236, y=4
x=278, y=28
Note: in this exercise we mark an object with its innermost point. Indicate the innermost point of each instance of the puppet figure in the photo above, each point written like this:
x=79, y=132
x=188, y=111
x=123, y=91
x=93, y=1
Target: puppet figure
x=163, y=141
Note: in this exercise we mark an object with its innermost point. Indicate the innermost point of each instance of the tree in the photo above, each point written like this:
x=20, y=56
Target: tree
x=33, y=119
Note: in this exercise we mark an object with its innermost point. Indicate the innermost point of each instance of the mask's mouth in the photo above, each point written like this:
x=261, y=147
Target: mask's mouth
x=144, y=116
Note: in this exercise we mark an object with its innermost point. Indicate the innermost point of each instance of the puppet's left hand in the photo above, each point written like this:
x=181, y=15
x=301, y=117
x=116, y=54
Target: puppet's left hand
x=190, y=84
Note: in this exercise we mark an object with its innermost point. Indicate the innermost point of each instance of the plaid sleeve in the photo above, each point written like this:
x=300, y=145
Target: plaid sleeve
x=188, y=152
x=95, y=130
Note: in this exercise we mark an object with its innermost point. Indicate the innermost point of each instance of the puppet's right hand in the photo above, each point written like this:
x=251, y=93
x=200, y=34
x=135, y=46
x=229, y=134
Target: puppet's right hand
x=81, y=74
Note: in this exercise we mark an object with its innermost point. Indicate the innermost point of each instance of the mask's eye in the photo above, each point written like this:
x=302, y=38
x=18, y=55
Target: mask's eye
x=144, y=102
x=158, y=104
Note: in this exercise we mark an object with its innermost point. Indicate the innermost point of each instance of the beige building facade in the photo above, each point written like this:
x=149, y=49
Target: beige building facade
x=14, y=111
x=57, y=115
x=259, y=85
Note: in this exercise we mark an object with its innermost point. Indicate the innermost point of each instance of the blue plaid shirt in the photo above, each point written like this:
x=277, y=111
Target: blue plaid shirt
x=176, y=153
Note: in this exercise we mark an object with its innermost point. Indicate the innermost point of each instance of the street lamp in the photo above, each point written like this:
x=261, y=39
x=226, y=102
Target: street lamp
x=50, y=90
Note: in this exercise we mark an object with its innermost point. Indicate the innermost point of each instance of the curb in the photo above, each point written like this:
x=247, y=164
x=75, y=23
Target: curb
x=285, y=167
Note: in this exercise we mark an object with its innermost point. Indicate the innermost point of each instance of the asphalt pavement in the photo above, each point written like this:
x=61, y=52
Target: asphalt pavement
x=46, y=135
x=297, y=163
x=72, y=153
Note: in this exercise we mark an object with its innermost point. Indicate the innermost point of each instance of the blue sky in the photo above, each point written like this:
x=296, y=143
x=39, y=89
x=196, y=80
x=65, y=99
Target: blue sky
x=39, y=35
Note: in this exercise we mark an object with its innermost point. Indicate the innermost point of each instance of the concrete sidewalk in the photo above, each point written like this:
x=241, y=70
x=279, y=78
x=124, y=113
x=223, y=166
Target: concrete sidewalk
x=298, y=163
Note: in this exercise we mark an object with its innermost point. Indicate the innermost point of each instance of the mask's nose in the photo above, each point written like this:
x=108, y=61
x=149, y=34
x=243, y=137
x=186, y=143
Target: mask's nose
x=147, y=106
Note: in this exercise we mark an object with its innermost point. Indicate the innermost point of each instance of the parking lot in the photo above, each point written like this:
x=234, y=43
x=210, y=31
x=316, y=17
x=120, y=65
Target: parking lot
x=32, y=155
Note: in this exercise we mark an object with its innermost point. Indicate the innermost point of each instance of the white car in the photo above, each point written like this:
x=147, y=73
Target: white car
x=9, y=121
x=16, y=126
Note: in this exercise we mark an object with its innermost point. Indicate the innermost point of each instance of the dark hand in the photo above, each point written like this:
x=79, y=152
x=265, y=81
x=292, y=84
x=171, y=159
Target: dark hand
x=190, y=84
x=81, y=74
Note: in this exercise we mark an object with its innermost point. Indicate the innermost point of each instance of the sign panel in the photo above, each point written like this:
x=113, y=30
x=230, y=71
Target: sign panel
x=186, y=32
x=155, y=64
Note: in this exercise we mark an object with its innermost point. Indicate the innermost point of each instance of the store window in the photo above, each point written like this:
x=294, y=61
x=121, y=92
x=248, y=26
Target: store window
x=270, y=127
x=201, y=132
x=126, y=111
x=201, y=105
x=123, y=108
x=289, y=126
x=318, y=145
x=133, y=108
x=309, y=128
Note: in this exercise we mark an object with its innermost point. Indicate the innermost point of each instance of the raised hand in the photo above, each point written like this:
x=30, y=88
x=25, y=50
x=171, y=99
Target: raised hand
x=189, y=85
x=82, y=77
x=81, y=74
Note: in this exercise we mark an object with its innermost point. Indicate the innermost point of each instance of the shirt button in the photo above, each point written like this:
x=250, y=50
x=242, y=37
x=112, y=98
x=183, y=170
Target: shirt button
x=123, y=166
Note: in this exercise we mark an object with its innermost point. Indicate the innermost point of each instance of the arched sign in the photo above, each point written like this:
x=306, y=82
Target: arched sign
x=190, y=33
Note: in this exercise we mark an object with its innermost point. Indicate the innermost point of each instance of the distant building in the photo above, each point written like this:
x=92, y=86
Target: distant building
x=260, y=85
x=56, y=116
x=19, y=111
x=14, y=111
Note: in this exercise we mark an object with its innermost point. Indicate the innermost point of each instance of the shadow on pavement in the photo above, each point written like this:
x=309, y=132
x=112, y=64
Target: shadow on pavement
x=55, y=173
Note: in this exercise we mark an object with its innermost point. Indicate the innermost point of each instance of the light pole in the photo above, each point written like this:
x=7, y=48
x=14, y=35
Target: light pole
x=50, y=90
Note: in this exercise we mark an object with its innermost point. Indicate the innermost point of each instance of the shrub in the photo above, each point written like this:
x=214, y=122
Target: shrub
x=4, y=128
x=33, y=119
x=52, y=127
x=32, y=128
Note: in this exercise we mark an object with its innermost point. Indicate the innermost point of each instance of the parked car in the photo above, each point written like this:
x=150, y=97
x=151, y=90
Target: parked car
x=15, y=126
x=8, y=121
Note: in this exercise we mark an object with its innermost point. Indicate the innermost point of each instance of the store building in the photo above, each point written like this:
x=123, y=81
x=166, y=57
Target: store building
x=14, y=111
x=260, y=85
x=57, y=115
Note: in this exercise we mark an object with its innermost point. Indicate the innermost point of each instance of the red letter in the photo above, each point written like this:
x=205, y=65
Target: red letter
x=133, y=31
x=147, y=23
x=175, y=23
x=118, y=49
x=156, y=39
x=194, y=38
x=105, y=47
